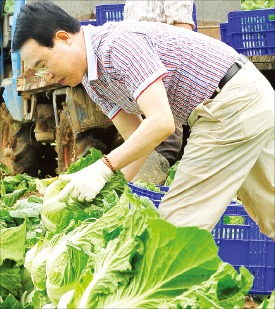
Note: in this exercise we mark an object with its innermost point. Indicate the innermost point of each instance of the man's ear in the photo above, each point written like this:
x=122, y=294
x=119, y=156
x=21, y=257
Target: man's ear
x=63, y=36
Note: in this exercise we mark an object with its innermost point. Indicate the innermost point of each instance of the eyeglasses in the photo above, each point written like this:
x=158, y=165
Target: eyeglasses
x=43, y=70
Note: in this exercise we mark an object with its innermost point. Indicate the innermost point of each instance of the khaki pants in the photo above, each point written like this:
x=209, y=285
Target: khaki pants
x=230, y=151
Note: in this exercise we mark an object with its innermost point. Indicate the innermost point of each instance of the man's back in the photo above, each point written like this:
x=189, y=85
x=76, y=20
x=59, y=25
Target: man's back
x=131, y=53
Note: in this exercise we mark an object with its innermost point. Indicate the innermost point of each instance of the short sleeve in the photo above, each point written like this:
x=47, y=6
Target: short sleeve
x=133, y=61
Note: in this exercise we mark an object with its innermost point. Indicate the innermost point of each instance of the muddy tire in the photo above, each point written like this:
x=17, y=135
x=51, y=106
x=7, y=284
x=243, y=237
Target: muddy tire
x=71, y=146
x=19, y=150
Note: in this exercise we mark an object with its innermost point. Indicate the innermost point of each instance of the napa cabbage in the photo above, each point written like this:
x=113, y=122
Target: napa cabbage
x=150, y=263
x=12, y=243
x=131, y=258
x=116, y=252
x=57, y=215
x=224, y=289
x=72, y=252
x=35, y=262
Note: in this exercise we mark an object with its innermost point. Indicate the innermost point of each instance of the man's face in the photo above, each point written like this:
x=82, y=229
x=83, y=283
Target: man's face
x=65, y=63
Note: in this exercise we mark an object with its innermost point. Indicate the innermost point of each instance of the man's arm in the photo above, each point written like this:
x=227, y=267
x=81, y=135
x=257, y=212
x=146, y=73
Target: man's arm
x=127, y=124
x=141, y=137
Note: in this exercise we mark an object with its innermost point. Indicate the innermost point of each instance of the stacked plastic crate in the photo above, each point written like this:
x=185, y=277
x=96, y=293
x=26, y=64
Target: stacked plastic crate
x=244, y=244
x=250, y=32
x=238, y=244
x=224, y=32
x=104, y=13
x=109, y=12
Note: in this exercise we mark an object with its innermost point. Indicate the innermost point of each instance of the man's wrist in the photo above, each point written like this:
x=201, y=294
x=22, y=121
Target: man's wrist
x=106, y=160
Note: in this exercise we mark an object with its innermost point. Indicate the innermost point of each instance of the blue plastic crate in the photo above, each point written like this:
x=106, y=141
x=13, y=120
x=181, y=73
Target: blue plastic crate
x=109, y=12
x=194, y=16
x=224, y=32
x=244, y=244
x=238, y=244
x=252, y=32
x=88, y=22
x=155, y=197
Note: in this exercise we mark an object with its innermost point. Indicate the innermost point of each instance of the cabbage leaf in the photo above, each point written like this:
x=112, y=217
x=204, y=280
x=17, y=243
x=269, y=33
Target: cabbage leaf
x=268, y=303
x=10, y=282
x=70, y=253
x=12, y=243
x=224, y=289
x=174, y=260
x=57, y=215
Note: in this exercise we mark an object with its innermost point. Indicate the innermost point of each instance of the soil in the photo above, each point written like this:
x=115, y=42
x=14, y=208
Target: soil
x=249, y=303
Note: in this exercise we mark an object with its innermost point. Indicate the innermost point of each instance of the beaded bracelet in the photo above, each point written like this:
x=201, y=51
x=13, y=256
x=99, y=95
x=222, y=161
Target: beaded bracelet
x=109, y=163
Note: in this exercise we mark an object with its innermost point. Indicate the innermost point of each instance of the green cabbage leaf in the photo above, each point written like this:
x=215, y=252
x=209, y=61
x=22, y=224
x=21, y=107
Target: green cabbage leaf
x=57, y=215
x=149, y=263
x=224, y=289
x=171, y=265
x=71, y=252
x=268, y=303
x=12, y=243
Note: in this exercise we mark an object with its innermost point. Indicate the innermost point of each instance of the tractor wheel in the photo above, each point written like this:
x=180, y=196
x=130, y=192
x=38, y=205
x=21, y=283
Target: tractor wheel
x=72, y=146
x=19, y=150
x=47, y=161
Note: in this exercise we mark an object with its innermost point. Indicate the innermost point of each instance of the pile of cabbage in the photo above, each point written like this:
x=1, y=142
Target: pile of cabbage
x=131, y=258
x=116, y=252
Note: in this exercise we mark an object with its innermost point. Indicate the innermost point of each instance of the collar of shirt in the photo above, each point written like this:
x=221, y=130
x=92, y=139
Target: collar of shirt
x=91, y=56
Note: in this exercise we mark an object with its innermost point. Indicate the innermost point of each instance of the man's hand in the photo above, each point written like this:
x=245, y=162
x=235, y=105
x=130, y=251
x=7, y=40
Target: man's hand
x=87, y=183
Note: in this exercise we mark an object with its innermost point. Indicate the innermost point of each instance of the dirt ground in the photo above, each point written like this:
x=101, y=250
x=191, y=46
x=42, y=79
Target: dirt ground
x=249, y=303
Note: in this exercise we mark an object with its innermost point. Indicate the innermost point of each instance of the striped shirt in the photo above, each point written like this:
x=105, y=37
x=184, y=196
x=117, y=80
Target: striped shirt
x=124, y=58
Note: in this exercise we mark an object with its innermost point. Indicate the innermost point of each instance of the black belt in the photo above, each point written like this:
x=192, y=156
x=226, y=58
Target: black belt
x=236, y=66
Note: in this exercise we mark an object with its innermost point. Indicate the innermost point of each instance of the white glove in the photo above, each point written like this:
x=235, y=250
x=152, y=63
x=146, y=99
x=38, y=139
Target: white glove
x=87, y=183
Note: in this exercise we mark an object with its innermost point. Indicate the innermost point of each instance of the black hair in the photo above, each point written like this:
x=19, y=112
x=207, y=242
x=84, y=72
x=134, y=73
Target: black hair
x=40, y=21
